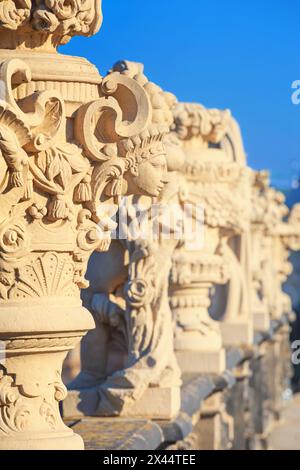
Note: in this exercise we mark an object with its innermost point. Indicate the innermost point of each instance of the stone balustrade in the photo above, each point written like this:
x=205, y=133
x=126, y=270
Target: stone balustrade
x=131, y=227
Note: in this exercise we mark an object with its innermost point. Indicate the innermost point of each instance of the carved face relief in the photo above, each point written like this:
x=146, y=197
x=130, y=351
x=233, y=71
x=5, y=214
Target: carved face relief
x=148, y=177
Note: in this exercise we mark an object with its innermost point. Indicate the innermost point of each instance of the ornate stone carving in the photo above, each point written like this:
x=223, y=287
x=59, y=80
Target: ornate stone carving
x=272, y=238
x=71, y=143
x=216, y=175
x=129, y=361
x=235, y=303
x=289, y=240
x=263, y=222
x=30, y=410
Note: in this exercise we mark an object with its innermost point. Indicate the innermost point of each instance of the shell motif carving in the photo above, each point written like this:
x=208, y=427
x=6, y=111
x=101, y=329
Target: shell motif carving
x=49, y=274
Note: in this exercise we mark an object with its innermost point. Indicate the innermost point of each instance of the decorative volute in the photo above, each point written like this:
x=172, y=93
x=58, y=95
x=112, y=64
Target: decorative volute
x=70, y=145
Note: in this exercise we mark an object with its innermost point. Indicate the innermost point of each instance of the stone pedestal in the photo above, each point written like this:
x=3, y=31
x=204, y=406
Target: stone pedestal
x=215, y=426
x=156, y=403
x=30, y=374
x=202, y=361
x=236, y=399
x=261, y=321
x=236, y=333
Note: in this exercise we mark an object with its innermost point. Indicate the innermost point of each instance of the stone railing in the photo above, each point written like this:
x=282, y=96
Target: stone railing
x=187, y=329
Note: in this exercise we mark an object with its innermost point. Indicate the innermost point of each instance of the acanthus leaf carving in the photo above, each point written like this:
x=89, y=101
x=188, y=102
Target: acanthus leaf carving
x=16, y=411
x=13, y=412
x=42, y=112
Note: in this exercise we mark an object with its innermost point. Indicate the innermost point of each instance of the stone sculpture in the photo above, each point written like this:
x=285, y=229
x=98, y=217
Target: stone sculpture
x=77, y=152
x=234, y=302
x=70, y=145
x=212, y=175
x=261, y=220
x=274, y=233
x=287, y=240
x=128, y=362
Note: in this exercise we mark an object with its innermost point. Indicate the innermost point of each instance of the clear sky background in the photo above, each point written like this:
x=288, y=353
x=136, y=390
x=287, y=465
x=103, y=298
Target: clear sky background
x=237, y=54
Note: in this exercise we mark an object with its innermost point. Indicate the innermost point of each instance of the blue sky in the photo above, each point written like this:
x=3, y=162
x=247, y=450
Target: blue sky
x=237, y=54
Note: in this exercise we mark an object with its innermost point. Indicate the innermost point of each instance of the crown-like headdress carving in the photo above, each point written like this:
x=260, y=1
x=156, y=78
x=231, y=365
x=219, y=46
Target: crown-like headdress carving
x=150, y=140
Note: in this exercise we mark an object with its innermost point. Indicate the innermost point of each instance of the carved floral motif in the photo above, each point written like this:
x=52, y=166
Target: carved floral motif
x=194, y=120
x=61, y=18
x=14, y=414
x=16, y=410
